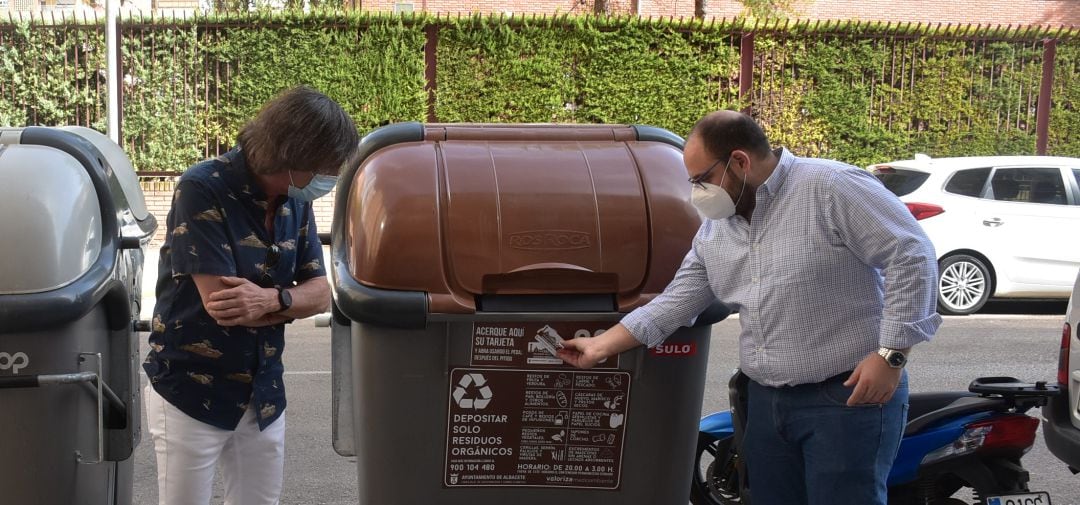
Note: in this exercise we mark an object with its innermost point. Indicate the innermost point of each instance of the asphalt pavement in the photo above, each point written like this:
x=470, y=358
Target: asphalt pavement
x=1017, y=339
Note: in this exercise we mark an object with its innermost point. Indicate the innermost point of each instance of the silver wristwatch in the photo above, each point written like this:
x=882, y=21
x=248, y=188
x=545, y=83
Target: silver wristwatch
x=893, y=357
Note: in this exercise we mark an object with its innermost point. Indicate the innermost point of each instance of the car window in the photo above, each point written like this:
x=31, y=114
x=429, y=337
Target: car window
x=968, y=182
x=1076, y=173
x=900, y=181
x=1028, y=184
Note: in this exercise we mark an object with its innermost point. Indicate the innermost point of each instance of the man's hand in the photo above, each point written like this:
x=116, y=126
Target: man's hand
x=587, y=352
x=874, y=380
x=582, y=352
x=242, y=303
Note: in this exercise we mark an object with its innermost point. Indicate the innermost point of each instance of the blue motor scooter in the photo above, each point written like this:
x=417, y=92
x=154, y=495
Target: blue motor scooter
x=952, y=440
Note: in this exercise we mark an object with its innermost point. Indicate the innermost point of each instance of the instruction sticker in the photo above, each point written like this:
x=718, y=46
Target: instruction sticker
x=518, y=345
x=536, y=428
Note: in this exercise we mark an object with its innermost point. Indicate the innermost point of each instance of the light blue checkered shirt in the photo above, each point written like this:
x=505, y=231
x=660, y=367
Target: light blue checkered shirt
x=830, y=267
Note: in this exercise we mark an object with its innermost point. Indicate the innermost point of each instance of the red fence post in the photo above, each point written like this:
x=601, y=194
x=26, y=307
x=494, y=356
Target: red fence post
x=432, y=43
x=119, y=80
x=1042, y=110
x=746, y=70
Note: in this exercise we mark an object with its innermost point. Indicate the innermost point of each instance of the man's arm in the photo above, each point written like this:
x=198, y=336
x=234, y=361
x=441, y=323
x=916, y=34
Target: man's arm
x=682, y=301
x=879, y=229
x=234, y=301
x=310, y=297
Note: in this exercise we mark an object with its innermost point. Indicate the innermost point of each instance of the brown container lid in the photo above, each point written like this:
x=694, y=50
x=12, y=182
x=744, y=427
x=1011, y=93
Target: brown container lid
x=469, y=211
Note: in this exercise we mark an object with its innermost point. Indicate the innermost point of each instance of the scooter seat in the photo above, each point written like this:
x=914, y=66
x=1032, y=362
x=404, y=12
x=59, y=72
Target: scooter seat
x=922, y=403
x=927, y=409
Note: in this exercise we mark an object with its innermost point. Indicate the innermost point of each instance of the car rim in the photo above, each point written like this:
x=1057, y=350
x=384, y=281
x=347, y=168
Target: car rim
x=962, y=285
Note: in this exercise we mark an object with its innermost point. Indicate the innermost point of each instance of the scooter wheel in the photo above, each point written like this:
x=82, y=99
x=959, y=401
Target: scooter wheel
x=716, y=473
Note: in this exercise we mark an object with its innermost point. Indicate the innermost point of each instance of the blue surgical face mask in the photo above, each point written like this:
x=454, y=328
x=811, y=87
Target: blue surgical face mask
x=319, y=186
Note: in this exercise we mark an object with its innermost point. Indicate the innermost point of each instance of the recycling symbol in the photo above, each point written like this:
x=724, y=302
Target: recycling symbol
x=472, y=392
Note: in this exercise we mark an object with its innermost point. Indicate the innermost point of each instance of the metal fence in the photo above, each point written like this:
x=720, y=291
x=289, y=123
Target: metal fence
x=1006, y=74
x=921, y=81
x=62, y=87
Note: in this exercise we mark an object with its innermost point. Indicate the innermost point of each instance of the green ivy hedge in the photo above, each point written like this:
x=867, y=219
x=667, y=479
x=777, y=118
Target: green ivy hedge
x=1065, y=114
x=858, y=93
x=190, y=84
x=862, y=100
x=586, y=70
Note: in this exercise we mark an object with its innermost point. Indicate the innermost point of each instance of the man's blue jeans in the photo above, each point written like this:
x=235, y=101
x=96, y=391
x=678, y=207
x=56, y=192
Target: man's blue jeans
x=804, y=445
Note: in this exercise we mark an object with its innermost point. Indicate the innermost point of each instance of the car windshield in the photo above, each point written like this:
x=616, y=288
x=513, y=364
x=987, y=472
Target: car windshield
x=900, y=181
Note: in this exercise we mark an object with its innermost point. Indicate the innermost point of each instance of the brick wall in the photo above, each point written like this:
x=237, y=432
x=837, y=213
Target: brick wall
x=512, y=6
x=1022, y=12
x=1004, y=12
x=158, y=193
x=324, y=212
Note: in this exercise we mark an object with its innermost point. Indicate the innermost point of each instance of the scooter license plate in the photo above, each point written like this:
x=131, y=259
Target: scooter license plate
x=1039, y=498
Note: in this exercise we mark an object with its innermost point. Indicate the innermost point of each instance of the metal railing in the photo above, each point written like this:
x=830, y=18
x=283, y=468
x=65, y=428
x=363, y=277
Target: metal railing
x=197, y=84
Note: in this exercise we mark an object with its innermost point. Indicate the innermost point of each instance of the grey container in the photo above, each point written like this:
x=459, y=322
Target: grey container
x=458, y=251
x=74, y=232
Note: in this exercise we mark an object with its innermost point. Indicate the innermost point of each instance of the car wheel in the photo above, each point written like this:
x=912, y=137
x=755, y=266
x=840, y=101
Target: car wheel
x=963, y=285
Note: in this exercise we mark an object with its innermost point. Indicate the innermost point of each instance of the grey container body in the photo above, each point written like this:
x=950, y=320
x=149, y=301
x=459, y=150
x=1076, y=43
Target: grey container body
x=391, y=412
x=75, y=218
x=48, y=430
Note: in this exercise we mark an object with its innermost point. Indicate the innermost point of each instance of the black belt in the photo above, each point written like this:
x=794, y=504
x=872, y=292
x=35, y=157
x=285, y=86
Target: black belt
x=840, y=377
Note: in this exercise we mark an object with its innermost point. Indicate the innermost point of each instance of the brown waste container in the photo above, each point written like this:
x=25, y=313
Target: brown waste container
x=456, y=250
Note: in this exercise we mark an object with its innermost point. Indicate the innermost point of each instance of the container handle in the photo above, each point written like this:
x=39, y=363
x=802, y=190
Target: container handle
x=550, y=278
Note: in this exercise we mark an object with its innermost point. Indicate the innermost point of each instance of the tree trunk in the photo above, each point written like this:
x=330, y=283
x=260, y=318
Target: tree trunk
x=600, y=7
x=699, y=8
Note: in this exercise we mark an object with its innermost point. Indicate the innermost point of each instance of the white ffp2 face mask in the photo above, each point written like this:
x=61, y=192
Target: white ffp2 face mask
x=713, y=201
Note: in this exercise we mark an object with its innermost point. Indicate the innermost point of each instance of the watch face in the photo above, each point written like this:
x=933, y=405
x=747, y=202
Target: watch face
x=896, y=359
x=285, y=299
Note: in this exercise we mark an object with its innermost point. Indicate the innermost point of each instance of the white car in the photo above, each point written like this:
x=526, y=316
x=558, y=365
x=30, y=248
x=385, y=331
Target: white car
x=1003, y=226
x=1061, y=417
